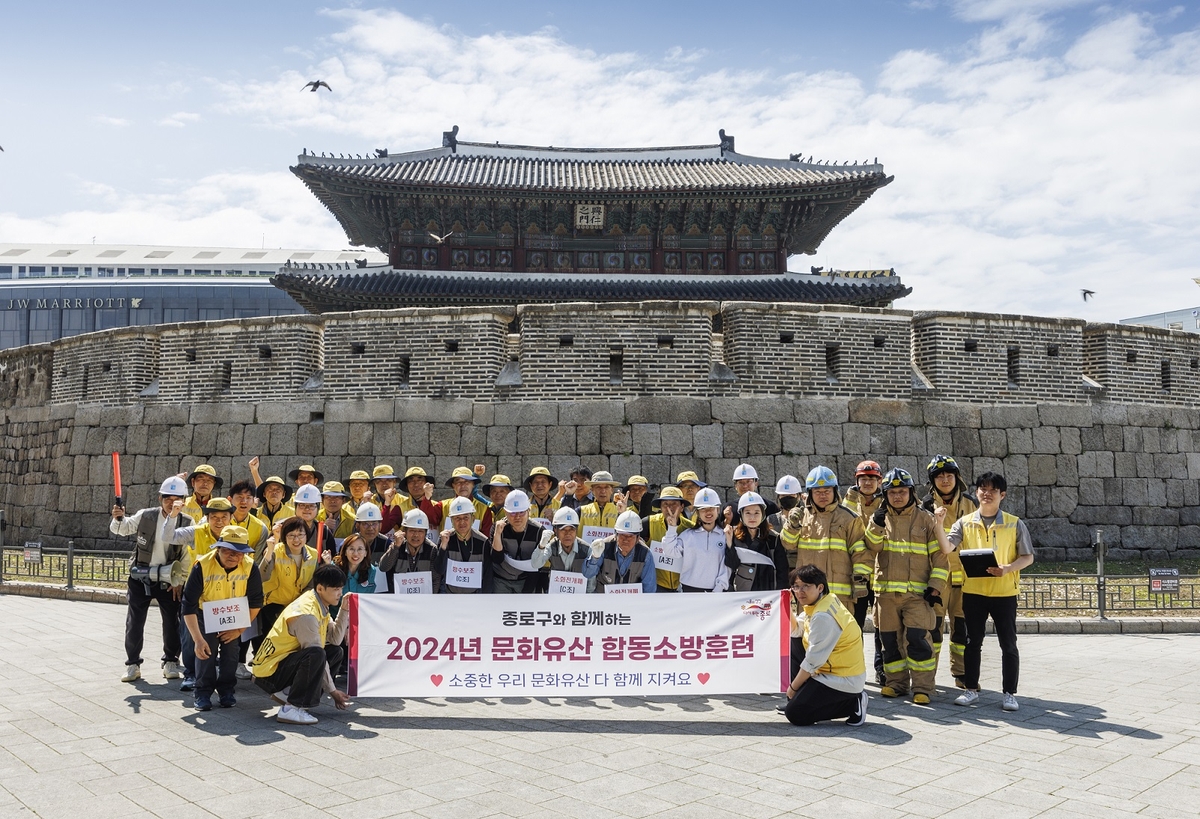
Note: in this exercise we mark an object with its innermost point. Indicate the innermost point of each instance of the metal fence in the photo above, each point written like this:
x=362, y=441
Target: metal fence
x=65, y=566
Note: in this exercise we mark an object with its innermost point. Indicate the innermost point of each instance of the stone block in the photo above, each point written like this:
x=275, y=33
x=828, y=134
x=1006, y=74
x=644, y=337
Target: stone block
x=1102, y=515
x=616, y=439
x=95, y=439
x=121, y=416
x=483, y=414
x=647, y=439
x=797, y=439
x=283, y=440
x=764, y=439
x=362, y=439
x=592, y=413
x=1020, y=441
x=138, y=438
x=657, y=469
x=560, y=441
x=1092, y=438
x=1066, y=469
x=1143, y=415
x=827, y=439
x=310, y=442
x=1016, y=470
x=204, y=439
x=1114, y=438
x=229, y=439
x=1065, y=415
x=1176, y=493
x=443, y=439
x=966, y=442
x=288, y=412
x=873, y=411
x=1155, y=516
x=1135, y=491
x=1009, y=417
x=526, y=413
x=676, y=439
x=502, y=441
x=1157, y=492
x=718, y=472
x=180, y=441
x=1189, y=538
x=1098, y=626
x=911, y=441
x=1113, y=493
x=450, y=410
x=942, y=414
x=982, y=465
x=856, y=438
x=414, y=439
x=88, y=415
x=1046, y=441
x=1144, y=538
x=819, y=411
x=745, y=410
x=883, y=439
x=531, y=439
x=1069, y=441
x=735, y=440
x=337, y=438
x=166, y=414
x=1059, y=625
x=1043, y=470
x=1170, y=466
x=256, y=440
x=222, y=413
x=708, y=441
x=668, y=409
x=1096, y=465
x=1037, y=502
x=623, y=466
x=361, y=411
x=1151, y=440
x=1106, y=413
x=587, y=440
x=1056, y=533
x=684, y=463
x=1132, y=439
x=941, y=439
x=386, y=442
x=993, y=443
x=1063, y=501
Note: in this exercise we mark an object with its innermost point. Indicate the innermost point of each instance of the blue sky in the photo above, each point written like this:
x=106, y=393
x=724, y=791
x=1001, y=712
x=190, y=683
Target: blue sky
x=1039, y=146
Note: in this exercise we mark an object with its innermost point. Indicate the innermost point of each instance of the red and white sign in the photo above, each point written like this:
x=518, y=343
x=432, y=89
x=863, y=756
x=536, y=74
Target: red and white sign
x=567, y=583
x=463, y=574
x=226, y=615
x=567, y=645
x=413, y=583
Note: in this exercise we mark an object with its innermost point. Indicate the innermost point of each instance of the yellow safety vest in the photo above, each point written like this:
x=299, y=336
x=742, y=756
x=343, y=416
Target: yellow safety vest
x=481, y=509
x=193, y=509
x=591, y=515
x=280, y=642
x=286, y=583
x=1001, y=538
x=285, y=511
x=345, y=526
x=846, y=660
x=220, y=584
x=658, y=530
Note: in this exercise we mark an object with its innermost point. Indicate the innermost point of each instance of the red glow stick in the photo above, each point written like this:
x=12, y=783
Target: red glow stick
x=116, y=456
x=320, y=537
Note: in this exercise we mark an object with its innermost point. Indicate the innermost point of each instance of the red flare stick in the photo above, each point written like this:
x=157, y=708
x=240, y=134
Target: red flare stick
x=320, y=537
x=116, y=456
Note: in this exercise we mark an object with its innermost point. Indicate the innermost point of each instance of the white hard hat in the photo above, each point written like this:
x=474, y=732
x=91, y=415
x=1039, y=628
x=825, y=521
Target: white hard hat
x=415, y=519
x=174, y=486
x=516, y=501
x=461, y=506
x=368, y=513
x=566, y=516
x=744, y=472
x=628, y=523
x=788, y=485
x=707, y=498
x=307, y=494
x=751, y=499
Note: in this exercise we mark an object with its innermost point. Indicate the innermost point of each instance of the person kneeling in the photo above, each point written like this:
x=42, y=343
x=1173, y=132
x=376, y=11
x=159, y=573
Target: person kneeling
x=832, y=677
x=293, y=663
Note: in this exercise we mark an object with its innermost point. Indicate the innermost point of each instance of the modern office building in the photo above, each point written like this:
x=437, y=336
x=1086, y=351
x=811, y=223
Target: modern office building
x=1188, y=319
x=50, y=291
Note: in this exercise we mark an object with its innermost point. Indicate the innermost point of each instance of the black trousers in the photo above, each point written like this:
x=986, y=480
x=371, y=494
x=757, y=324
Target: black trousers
x=138, y=596
x=861, y=606
x=219, y=670
x=1003, y=611
x=815, y=702
x=303, y=671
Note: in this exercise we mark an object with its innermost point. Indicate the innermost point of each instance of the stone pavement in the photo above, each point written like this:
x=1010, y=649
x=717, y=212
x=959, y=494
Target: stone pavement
x=1108, y=727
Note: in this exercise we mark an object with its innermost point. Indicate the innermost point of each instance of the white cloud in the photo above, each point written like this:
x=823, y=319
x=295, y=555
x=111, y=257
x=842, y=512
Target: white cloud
x=1027, y=165
x=179, y=119
x=115, y=122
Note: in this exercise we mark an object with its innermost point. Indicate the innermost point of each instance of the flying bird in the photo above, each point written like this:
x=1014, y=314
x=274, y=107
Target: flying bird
x=441, y=239
x=1087, y=294
x=315, y=84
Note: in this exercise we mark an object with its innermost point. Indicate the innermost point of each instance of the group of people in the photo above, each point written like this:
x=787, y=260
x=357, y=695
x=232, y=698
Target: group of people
x=286, y=552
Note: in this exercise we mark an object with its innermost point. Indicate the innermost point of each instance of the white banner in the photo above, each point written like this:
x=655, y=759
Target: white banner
x=567, y=583
x=521, y=565
x=226, y=615
x=413, y=583
x=464, y=574
x=750, y=556
x=562, y=645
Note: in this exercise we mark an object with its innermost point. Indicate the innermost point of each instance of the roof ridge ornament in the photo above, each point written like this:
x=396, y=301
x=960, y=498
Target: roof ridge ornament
x=726, y=142
x=450, y=139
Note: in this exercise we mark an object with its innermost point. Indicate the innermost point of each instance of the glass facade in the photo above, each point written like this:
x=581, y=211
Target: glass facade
x=37, y=313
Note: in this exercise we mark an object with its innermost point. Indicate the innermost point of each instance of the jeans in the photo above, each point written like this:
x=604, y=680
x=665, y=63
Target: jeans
x=138, y=596
x=1003, y=611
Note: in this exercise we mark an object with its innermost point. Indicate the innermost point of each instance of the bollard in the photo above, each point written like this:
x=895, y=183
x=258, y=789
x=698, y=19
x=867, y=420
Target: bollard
x=70, y=565
x=1101, y=589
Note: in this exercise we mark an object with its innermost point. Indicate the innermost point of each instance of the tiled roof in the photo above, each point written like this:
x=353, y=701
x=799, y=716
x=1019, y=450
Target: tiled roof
x=390, y=288
x=601, y=171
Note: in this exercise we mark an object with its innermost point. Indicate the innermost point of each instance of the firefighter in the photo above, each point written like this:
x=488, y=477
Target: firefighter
x=827, y=535
x=910, y=577
x=863, y=499
x=948, y=491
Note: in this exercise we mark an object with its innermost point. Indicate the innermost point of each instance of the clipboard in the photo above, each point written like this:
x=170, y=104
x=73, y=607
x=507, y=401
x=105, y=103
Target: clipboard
x=976, y=562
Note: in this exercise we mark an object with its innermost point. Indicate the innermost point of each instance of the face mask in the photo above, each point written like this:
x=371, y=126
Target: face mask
x=788, y=502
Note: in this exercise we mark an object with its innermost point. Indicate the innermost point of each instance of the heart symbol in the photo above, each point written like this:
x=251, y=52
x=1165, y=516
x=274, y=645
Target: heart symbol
x=702, y=677
x=436, y=679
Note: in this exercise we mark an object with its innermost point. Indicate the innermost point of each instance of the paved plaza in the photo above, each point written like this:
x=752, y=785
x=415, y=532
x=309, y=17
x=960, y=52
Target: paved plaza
x=1109, y=726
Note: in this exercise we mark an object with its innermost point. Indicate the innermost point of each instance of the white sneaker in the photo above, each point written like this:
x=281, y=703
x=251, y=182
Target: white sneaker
x=132, y=672
x=281, y=696
x=967, y=697
x=860, y=718
x=172, y=671
x=294, y=716
x=243, y=672
x=1010, y=703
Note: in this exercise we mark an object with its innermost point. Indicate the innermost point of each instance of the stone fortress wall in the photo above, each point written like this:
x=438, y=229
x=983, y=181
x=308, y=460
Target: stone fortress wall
x=1096, y=426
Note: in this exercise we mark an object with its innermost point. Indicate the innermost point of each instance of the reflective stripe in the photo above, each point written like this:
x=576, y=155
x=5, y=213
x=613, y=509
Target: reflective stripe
x=922, y=665
x=863, y=569
x=908, y=547
x=896, y=667
x=957, y=576
x=957, y=648
x=900, y=587
x=842, y=589
x=938, y=574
